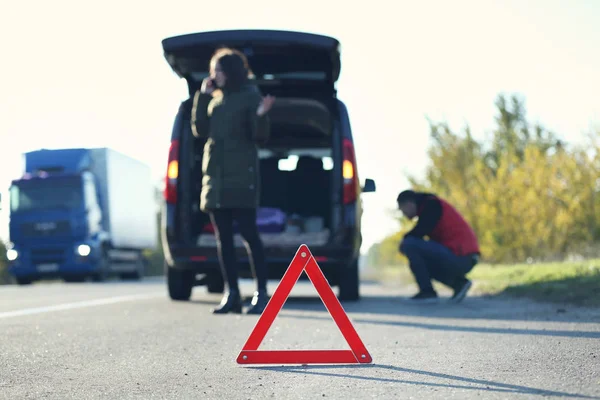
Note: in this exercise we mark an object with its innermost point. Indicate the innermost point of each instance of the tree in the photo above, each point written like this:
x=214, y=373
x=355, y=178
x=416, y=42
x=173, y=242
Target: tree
x=526, y=193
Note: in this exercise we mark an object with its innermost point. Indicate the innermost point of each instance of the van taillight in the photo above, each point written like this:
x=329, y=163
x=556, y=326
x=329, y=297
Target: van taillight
x=170, y=191
x=349, y=173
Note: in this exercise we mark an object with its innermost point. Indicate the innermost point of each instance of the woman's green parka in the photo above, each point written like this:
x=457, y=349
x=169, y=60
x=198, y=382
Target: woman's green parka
x=230, y=164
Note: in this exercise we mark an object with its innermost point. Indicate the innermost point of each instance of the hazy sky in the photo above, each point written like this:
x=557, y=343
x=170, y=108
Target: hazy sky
x=75, y=74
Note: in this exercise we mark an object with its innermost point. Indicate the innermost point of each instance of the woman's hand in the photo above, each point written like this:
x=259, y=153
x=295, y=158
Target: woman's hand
x=265, y=105
x=208, y=86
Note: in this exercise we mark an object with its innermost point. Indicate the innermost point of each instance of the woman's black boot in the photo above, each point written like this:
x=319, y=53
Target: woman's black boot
x=259, y=302
x=231, y=302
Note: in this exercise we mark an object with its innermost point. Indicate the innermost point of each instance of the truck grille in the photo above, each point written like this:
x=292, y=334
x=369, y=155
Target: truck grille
x=45, y=229
x=48, y=256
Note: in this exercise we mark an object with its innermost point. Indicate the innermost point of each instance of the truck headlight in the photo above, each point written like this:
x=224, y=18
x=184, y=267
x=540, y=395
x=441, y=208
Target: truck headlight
x=83, y=250
x=12, y=254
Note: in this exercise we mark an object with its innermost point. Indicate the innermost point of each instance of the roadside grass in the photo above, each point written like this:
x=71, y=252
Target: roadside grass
x=4, y=278
x=574, y=282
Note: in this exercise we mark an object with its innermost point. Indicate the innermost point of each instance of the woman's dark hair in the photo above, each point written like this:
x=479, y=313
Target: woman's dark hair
x=234, y=65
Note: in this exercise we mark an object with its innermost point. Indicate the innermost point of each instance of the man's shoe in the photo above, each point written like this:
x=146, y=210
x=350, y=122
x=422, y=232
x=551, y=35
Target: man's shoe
x=460, y=291
x=425, y=298
x=231, y=302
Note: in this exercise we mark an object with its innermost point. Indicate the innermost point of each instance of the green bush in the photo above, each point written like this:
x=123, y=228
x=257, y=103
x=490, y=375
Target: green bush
x=155, y=262
x=155, y=258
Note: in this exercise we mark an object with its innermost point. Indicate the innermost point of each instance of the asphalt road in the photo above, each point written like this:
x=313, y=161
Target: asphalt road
x=128, y=340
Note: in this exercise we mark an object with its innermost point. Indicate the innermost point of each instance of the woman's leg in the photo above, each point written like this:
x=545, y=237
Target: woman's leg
x=222, y=221
x=246, y=219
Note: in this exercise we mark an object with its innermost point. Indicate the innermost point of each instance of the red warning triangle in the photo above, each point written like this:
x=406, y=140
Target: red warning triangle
x=304, y=261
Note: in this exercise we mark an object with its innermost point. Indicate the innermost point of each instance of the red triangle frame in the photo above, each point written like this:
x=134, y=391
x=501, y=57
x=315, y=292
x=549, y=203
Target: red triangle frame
x=304, y=261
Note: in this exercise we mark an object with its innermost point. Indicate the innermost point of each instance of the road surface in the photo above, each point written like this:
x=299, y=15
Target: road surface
x=129, y=341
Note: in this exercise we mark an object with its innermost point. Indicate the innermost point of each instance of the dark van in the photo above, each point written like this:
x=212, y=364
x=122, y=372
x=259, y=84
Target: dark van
x=310, y=190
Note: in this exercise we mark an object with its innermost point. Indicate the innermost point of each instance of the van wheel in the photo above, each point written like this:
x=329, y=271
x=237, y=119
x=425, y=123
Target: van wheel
x=180, y=283
x=215, y=284
x=349, y=283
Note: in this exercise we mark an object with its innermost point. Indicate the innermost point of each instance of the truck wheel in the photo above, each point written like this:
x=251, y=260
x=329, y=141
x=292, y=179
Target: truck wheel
x=349, y=283
x=141, y=268
x=104, y=265
x=180, y=283
x=74, y=279
x=215, y=284
x=24, y=281
x=139, y=272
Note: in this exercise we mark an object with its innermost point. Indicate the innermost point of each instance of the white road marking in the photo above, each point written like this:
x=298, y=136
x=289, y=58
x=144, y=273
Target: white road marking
x=78, y=304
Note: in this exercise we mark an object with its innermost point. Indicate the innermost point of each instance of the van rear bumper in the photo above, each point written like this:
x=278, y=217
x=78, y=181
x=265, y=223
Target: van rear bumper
x=321, y=254
x=205, y=260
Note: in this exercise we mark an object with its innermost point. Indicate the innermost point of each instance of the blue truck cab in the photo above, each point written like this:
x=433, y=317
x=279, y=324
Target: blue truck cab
x=60, y=219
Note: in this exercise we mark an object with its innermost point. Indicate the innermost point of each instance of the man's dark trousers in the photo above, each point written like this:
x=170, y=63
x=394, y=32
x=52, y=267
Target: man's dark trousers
x=431, y=260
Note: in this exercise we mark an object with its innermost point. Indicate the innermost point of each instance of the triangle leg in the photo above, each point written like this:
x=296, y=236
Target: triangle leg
x=297, y=357
x=279, y=297
x=336, y=310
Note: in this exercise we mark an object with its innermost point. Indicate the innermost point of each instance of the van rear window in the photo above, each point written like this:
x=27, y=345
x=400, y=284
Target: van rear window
x=288, y=160
x=289, y=164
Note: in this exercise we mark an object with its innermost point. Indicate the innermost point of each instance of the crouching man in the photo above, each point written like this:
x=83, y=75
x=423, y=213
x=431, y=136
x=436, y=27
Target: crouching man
x=451, y=251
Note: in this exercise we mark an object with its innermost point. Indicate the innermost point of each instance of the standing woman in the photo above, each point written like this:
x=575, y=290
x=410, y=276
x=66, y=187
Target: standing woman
x=234, y=122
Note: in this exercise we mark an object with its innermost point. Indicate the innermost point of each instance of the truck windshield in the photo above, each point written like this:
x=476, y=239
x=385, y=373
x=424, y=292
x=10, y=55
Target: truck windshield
x=46, y=194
